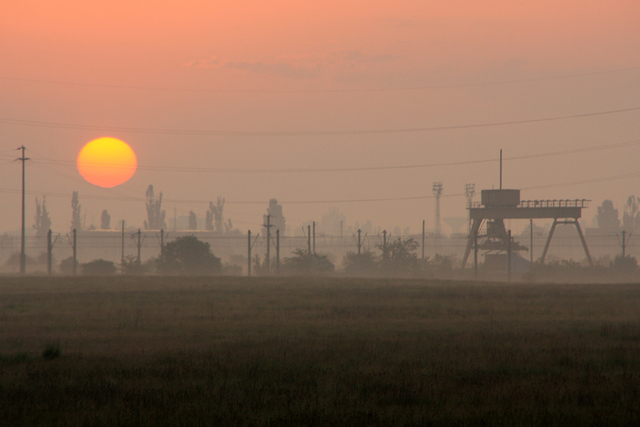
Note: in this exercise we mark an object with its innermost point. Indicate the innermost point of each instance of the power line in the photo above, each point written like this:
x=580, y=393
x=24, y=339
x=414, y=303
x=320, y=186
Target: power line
x=358, y=169
x=293, y=91
x=187, y=132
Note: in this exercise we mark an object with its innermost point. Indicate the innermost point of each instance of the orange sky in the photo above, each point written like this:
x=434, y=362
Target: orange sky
x=109, y=54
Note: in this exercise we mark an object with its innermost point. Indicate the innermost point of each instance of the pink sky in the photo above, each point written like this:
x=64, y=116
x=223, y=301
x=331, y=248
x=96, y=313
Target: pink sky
x=318, y=66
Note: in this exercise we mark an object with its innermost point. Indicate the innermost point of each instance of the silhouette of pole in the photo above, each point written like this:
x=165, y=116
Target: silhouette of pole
x=49, y=253
x=122, y=259
x=475, y=253
x=268, y=260
x=501, y=169
x=249, y=253
x=384, y=247
x=359, y=241
x=423, y=239
x=509, y=256
x=624, y=243
x=23, y=256
x=75, y=252
x=531, y=239
x=309, y=240
x=314, y=237
x=277, y=251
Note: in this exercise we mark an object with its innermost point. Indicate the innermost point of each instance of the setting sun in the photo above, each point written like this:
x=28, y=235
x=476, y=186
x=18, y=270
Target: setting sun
x=107, y=162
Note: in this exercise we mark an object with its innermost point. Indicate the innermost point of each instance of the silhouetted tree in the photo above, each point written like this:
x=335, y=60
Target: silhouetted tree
x=105, y=220
x=400, y=256
x=155, y=214
x=631, y=215
x=215, y=213
x=42, y=220
x=193, y=221
x=76, y=222
x=607, y=217
x=189, y=256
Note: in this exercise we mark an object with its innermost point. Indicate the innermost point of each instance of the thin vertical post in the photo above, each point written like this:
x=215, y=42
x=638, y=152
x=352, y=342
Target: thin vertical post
x=249, y=253
x=423, y=239
x=359, y=241
x=624, y=245
x=23, y=255
x=384, y=248
x=122, y=259
x=75, y=252
x=531, y=239
x=268, y=260
x=161, y=241
x=314, y=237
x=501, y=169
x=475, y=253
x=309, y=240
x=49, y=253
x=509, y=256
x=278, y=251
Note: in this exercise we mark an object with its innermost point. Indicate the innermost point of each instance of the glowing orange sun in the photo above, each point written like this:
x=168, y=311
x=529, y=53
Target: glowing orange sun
x=107, y=162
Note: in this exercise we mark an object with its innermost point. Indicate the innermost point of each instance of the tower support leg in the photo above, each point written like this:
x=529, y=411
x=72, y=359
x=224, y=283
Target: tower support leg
x=584, y=243
x=473, y=233
x=546, y=245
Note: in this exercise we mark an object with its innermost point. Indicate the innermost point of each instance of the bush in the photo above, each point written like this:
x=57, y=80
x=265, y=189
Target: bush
x=188, y=256
x=98, y=267
x=66, y=266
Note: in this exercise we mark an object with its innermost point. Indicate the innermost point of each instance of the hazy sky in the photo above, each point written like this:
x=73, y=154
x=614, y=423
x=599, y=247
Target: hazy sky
x=280, y=85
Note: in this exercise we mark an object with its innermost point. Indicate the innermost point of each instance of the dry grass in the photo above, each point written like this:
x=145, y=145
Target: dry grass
x=237, y=351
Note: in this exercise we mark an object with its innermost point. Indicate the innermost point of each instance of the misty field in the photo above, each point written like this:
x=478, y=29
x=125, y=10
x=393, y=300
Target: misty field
x=182, y=351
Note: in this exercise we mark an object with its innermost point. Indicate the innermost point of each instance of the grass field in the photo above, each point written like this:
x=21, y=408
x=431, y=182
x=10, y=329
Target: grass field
x=316, y=351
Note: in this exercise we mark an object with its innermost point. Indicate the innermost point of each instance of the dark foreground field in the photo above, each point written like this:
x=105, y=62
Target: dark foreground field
x=234, y=351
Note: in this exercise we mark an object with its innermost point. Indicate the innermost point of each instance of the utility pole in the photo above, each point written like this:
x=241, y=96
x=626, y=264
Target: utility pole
x=509, y=257
x=314, y=237
x=139, y=233
x=122, y=259
x=309, y=240
x=249, y=253
x=268, y=226
x=359, y=241
x=278, y=251
x=423, y=223
x=384, y=248
x=49, y=255
x=531, y=239
x=437, y=191
x=75, y=252
x=23, y=255
x=624, y=243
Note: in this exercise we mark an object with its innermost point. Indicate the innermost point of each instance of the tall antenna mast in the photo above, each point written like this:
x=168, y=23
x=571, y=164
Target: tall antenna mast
x=23, y=256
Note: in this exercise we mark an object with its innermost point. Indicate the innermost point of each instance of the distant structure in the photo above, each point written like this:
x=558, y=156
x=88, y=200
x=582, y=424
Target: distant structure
x=437, y=191
x=498, y=205
x=469, y=191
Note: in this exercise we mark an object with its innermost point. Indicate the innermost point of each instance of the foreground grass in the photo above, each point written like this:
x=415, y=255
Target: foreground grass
x=234, y=351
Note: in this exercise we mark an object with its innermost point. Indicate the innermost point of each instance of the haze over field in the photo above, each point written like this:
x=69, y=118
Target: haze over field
x=210, y=94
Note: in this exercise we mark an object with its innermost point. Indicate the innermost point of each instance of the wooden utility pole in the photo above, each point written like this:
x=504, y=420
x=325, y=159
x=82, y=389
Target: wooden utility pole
x=384, y=248
x=277, y=251
x=249, y=253
x=309, y=240
x=75, y=252
x=23, y=255
x=423, y=239
x=509, y=256
x=49, y=251
x=122, y=259
x=139, y=233
x=268, y=260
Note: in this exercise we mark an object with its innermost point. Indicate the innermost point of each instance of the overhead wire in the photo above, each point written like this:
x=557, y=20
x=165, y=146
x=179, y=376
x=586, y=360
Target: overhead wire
x=188, y=132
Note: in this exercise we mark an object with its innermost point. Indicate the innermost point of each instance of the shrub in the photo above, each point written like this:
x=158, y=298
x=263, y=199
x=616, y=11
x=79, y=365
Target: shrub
x=188, y=256
x=99, y=267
